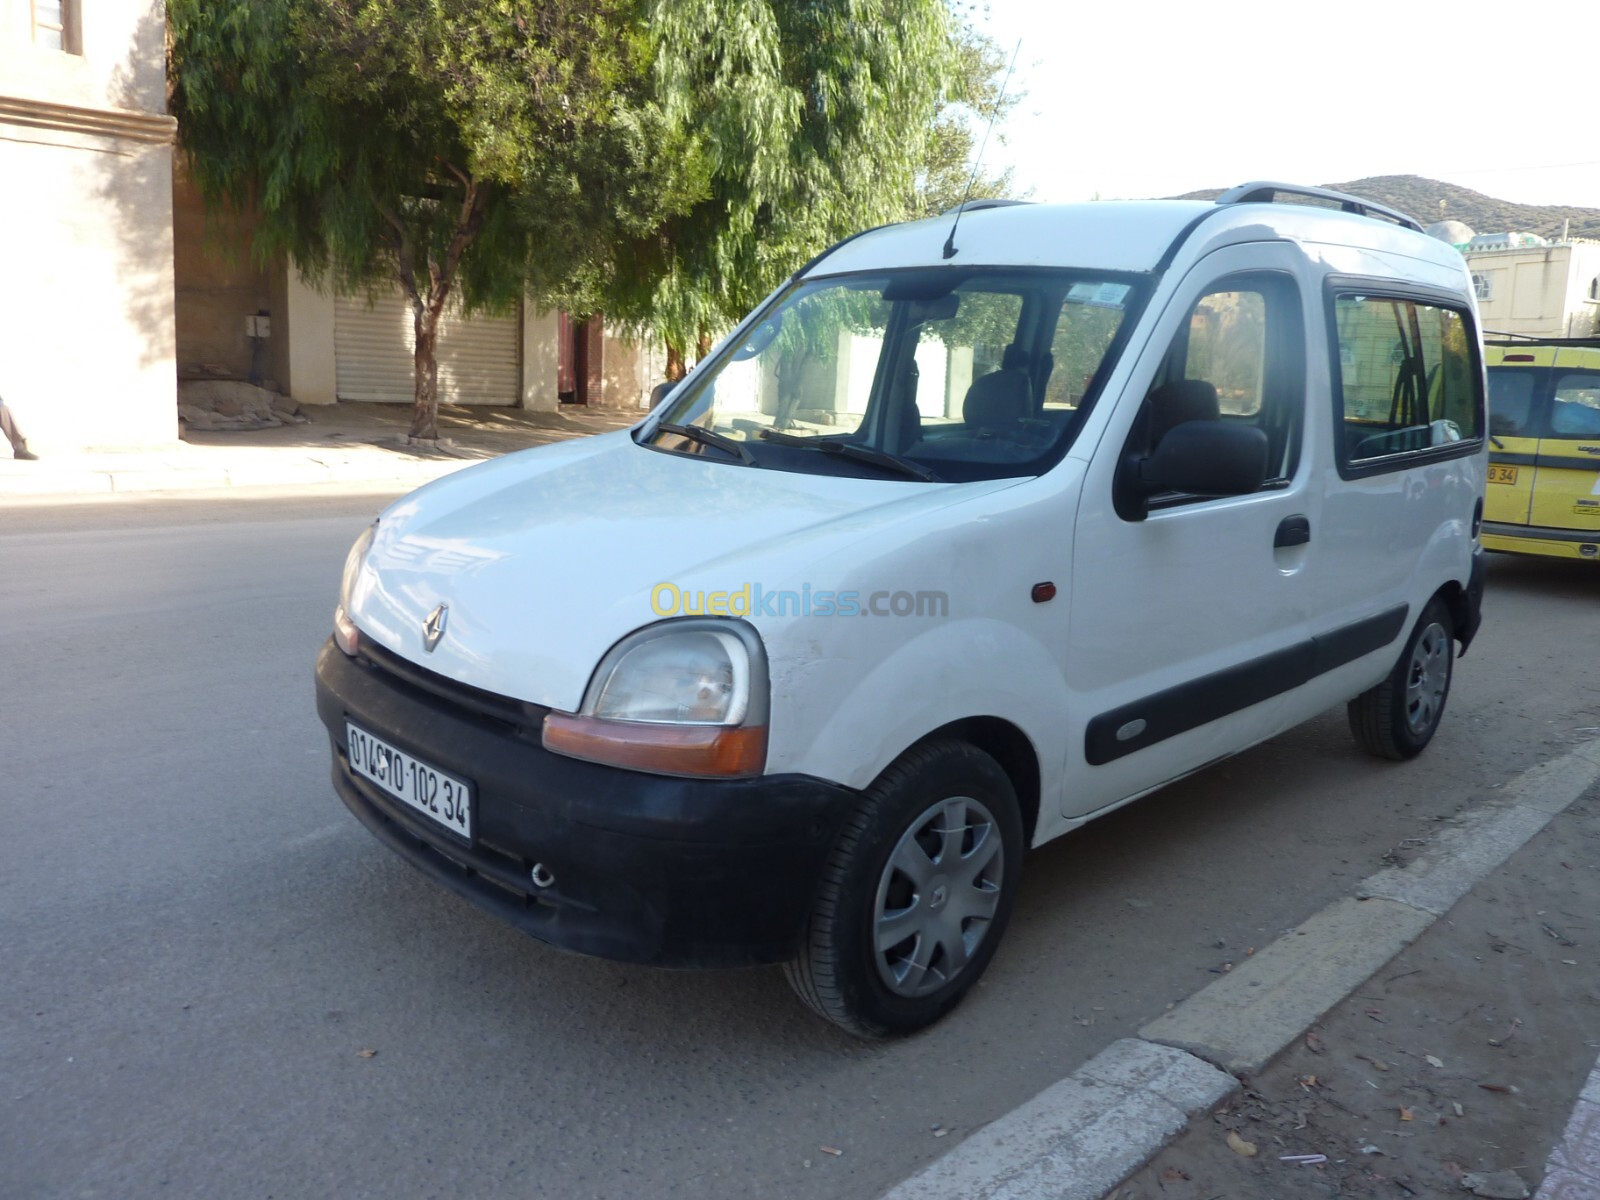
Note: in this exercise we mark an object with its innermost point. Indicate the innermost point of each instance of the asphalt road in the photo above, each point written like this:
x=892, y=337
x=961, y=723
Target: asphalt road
x=197, y=942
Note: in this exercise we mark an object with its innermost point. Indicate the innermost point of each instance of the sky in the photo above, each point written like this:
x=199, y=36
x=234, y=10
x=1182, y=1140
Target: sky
x=1140, y=98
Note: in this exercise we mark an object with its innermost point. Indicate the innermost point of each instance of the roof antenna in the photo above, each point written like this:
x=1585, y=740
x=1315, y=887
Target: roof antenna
x=950, y=242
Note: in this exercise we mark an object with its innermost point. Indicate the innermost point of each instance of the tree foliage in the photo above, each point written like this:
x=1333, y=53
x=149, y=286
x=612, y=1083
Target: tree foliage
x=974, y=99
x=667, y=162
x=480, y=148
x=800, y=124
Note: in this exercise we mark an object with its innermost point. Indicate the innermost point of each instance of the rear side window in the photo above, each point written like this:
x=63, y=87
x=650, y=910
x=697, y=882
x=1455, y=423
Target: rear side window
x=1511, y=402
x=1408, y=382
x=1575, y=412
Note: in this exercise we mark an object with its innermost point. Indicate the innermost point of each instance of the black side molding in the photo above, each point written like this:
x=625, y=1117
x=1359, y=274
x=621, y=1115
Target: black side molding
x=1156, y=718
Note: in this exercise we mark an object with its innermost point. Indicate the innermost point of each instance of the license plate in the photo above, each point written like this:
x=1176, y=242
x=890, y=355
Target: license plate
x=1500, y=474
x=440, y=797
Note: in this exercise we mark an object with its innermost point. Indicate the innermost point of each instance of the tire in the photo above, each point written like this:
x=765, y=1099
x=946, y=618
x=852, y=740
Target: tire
x=1397, y=719
x=892, y=869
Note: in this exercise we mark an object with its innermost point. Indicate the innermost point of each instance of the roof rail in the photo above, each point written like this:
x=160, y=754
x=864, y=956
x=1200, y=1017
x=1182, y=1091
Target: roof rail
x=980, y=204
x=1266, y=192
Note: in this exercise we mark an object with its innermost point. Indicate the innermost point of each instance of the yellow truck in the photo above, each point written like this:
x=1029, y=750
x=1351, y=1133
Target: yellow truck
x=1543, y=492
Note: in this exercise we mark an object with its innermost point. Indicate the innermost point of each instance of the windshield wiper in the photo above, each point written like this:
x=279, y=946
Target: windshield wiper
x=708, y=437
x=1498, y=444
x=856, y=451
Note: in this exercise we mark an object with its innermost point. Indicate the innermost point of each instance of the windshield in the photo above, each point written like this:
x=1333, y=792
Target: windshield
x=938, y=374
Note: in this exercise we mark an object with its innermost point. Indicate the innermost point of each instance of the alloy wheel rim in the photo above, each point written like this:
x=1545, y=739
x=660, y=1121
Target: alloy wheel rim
x=1426, y=678
x=937, y=896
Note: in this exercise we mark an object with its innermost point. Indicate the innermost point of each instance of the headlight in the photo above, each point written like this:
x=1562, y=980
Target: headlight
x=681, y=698
x=345, y=634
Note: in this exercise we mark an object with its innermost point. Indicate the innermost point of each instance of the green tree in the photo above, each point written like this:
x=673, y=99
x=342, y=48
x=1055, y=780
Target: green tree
x=975, y=96
x=480, y=148
x=798, y=124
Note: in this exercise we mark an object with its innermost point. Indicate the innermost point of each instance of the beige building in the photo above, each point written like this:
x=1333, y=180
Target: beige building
x=86, y=316
x=1537, y=290
x=237, y=320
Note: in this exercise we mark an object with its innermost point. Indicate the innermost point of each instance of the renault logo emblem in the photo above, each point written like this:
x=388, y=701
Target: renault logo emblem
x=433, y=627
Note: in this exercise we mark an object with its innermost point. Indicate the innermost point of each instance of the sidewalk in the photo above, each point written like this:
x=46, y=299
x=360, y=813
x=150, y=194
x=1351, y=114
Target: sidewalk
x=1431, y=1034
x=343, y=445
x=1456, y=1070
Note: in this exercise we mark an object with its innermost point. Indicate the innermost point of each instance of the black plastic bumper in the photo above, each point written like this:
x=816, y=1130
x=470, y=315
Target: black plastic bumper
x=647, y=868
x=1469, y=614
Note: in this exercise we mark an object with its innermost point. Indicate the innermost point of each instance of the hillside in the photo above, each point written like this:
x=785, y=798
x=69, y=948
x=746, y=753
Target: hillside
x=1419, y=197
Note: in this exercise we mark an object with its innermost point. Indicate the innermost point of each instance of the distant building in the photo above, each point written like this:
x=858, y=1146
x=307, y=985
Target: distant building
x=1527, y=285
x=86, y=315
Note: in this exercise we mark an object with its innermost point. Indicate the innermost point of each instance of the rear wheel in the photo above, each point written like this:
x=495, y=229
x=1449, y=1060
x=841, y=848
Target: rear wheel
x=1397, y=718
x=915, y=895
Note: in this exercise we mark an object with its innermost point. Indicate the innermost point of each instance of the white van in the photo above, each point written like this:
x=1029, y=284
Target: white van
x=978, y=528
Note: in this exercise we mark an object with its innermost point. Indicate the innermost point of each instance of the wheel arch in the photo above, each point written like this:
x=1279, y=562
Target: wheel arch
x=1011, y=748
x=1465, y=602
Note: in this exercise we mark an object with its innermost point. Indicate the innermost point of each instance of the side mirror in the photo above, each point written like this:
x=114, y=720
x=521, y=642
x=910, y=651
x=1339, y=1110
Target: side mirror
x=1202, y=458
x=660, y=391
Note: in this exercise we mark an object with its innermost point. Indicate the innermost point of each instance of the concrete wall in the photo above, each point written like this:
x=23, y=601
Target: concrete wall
x=307, y=331
x=540, y=359
x=1583, y=284
x=217, y=288
x=625, y=382
x=86, y=229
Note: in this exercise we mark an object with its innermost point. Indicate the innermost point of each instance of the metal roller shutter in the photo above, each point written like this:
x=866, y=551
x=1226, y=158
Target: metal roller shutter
x=479, y=361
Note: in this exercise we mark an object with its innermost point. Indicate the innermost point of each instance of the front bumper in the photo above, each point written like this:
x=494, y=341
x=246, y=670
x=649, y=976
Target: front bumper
x=648, y=868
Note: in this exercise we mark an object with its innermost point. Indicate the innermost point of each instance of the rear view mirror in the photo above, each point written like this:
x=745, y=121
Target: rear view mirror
x=760, y=338
x=1202, y=458
x=942, y=309
x=1208, y=458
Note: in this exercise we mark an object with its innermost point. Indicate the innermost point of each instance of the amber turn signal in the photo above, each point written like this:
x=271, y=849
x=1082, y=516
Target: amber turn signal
x=345, y=634
x=723, y=751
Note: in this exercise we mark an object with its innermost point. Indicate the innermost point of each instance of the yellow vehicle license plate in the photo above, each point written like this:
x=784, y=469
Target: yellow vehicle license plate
x=1501, y=474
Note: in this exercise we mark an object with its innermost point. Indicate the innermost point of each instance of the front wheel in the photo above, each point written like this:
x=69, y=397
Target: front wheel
x=915, y=894
x=1397, y=719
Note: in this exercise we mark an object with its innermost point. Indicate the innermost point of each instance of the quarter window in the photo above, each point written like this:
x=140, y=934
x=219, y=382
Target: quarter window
x=1408, y=384
x=1511, y=402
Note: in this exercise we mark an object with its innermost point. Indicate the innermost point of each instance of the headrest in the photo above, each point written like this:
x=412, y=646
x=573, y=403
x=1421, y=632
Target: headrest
x=999, y=399
x=1014, y=358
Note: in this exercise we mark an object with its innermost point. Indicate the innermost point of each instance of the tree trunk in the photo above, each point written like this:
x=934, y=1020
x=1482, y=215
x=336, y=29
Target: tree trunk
x=425, y=407
x=703, y=349
x=427, y=304
x=675, y=369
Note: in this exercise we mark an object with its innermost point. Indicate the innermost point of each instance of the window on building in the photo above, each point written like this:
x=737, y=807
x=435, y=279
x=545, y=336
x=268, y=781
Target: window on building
x=1408, y=384
x=1594, y=288
x=1481, y=286
x=54, y=25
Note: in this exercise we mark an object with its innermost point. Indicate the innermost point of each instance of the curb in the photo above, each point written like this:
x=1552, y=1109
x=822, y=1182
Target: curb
x=1573, y=1172
x=1082, y=1136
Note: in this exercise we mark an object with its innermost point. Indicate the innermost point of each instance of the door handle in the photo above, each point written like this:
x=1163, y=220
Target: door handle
x=1292, y=531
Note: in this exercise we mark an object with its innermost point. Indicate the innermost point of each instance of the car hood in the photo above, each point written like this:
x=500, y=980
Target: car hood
x=547, y=557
